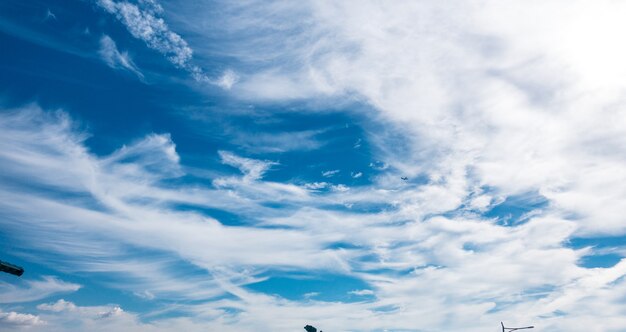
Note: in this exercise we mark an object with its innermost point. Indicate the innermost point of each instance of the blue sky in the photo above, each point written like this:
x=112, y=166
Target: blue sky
x=209, y=165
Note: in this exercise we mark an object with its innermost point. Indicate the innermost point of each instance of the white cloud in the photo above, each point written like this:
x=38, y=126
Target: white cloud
x=126, y=199
x=143, y=21
x=15, y=320
x=330, y=173
x=443, y=272
x=67, y=316
x=356, y=175
x=33, y=290
x=58, y=306
x=361, y=292
x=113, y=312
x=340, y=187
x=310, y=295
x=481, y=202
x=517, y=98
x=251, y=168
x=272, y=142
x=523, y=104
x=316, y=185
x=379, y=165
x=228, y=79
x=153, y=156
x=146, y=295
x=514, y=97
x=114, y=58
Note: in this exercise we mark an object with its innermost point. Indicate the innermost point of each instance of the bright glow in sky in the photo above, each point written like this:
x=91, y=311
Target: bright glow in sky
x=353, y=165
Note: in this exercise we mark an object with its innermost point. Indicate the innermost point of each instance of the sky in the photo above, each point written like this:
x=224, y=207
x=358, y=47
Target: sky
x=353, y=165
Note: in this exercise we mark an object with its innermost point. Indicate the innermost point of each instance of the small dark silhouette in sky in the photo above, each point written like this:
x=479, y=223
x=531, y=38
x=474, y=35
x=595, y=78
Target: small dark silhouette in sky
x=405, y=178
x=310, y=328
x=10, y=268
x=511, y=329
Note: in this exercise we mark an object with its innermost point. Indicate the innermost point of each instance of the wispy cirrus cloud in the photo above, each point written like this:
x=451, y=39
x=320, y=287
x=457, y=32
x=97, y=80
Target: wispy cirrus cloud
x=492, y=92
x=33, y=290
x=119, y=184
x=116, y=59
x=481, y=96
x=409, y=259
x=251, y=168
x=270, y=142
x=330, y=173
x=476, y=105
x=361, y=292
x=143, y=21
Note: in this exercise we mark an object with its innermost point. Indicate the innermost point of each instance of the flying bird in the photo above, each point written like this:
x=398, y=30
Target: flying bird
x=405, y=178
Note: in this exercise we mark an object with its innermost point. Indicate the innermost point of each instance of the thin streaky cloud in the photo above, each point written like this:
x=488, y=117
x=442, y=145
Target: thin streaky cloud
x=116, y=59
x=488, y=139
x=330, y=173
x=33, y=290
x=143, y=21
